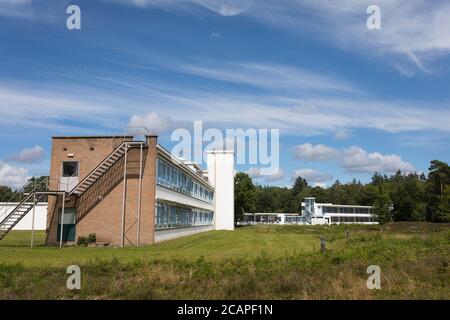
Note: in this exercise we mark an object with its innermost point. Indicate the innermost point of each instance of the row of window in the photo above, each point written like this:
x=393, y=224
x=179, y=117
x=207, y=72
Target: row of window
x=170, y=216
x=298, y=219
x=352, y=219
x=345, y=210
x=173, y=178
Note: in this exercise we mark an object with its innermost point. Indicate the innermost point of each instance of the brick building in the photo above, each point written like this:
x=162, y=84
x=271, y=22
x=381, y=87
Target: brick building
x=132, y=192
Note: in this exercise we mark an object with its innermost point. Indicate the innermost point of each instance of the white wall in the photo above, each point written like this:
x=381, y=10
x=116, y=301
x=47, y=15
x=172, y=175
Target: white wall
x=40, y=218
x=221, y=175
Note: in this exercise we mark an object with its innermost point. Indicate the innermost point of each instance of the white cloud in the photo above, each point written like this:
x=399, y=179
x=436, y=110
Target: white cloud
x=317, y=152
x=343, y=134
x=255, y=173
x=275, y=177
x=215, y=35
x=11, y=176
x=153, y=121
x=28, y=155
x=353, y=159
x=356, y=159
x=312, y=176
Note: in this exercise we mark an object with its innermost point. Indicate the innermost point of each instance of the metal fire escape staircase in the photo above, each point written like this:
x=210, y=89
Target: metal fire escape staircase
x=120, y=152
x=10, y=218
x=17, y=214
x=26, y=204
x=104, y=166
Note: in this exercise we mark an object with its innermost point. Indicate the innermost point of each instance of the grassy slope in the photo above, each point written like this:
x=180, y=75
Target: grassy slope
x=273, y=262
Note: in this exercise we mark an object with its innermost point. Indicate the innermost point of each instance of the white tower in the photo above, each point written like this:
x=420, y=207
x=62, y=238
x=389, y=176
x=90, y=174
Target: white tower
x=220, y=165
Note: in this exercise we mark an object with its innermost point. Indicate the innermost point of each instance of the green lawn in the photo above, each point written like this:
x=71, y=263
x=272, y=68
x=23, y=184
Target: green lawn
x=272, y=262
x=244, y=242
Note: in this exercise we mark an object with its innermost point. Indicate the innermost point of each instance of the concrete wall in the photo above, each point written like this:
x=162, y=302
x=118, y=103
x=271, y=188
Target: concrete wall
x=163, y=235
x=40, y=218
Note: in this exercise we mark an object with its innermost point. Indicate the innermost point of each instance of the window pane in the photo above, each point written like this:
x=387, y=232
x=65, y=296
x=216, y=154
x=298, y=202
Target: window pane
x=70, y=169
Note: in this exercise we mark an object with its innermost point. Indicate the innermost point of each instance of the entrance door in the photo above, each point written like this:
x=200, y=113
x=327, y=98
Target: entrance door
x=70, y=218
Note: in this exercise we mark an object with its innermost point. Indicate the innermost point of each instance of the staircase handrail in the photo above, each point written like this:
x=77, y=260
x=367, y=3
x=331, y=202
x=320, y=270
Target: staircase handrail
x=123, y=144
x=17, y=207
x=124, y=135
x=13, y=199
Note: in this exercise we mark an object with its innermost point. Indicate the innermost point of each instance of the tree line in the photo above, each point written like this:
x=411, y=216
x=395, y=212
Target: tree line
x=9, y=194
x=397, y=197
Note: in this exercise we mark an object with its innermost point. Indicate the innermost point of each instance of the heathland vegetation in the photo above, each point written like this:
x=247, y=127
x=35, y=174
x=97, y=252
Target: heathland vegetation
x=257, y=262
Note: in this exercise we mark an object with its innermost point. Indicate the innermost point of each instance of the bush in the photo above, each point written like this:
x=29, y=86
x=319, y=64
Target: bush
x=92, y=238
x=85, y=241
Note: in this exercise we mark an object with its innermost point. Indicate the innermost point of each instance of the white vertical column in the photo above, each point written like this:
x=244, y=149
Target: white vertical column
x=221, y=175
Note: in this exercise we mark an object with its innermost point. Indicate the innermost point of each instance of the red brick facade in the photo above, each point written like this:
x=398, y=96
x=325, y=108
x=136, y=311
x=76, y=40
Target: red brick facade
x=99, y=208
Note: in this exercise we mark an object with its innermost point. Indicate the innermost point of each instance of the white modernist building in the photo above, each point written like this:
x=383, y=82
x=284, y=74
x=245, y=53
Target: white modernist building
x=328, y=213
x=190, y=200
x=313, y=213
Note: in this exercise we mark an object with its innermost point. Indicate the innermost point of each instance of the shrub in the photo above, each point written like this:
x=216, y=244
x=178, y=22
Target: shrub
x=85, y=241
x=92, y=238
x=82, y=241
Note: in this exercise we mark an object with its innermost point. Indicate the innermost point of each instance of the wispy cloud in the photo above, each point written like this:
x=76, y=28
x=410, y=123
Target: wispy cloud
x=221, y=7
x=412, y=30
x=269, y=76
x=296, y=101
x=16, y=8
x=36, y=107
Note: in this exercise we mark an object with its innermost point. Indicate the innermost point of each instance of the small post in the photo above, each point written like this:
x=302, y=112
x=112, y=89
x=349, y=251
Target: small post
x=32, y=219
x=322, y=245
x=347, y=234
x=124, y=199
x=62, y=221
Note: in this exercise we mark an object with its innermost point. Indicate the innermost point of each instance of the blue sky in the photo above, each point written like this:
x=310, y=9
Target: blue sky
x=347, y=100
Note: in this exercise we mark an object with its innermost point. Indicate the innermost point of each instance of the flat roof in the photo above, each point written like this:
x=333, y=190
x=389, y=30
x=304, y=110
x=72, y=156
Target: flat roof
x=338, y=205
x=90, y=137
x=343, y=205
x=269, y=214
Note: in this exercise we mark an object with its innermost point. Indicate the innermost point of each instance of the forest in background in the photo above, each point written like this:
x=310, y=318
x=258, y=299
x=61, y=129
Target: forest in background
x=397, y=197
